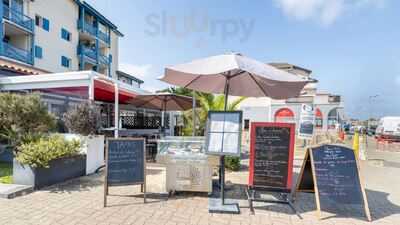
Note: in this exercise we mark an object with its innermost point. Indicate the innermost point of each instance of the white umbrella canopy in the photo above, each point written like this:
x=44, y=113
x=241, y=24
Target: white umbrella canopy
x=163, y=101
x=240, y=75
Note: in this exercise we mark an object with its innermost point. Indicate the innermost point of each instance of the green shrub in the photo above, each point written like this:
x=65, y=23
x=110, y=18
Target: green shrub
x=85, y=119
x=40, y=152
x=23, y=118
x=6, y=173
x=232, y=163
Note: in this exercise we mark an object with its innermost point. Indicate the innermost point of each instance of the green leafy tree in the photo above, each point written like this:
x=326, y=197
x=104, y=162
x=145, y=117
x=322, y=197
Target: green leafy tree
x=23, y=118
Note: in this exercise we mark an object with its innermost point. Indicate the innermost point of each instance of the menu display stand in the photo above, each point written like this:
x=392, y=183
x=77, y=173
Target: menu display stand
x=125, y=164
x=271, y=162
x=223, y=138
x=332, y=173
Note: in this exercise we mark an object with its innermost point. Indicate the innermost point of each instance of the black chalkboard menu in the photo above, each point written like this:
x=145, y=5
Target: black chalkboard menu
x=125, y=163
x=335, y=177
x=271, y=155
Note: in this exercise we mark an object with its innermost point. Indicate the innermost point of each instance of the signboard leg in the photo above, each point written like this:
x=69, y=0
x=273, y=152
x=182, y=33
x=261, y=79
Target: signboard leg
x=222, y=162
x=105, y=193
x=250, y=197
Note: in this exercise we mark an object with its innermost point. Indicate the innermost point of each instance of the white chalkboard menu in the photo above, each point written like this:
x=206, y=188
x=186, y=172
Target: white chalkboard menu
x=224, y=133
x=125, y=163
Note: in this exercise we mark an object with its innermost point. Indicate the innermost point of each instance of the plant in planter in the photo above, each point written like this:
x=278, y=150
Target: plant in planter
x=84, y=121
x=47, y=161
x=23, y=118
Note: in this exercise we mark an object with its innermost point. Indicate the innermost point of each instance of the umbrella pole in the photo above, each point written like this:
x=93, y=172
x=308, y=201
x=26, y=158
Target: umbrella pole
x=194, y=114
x=222, y=159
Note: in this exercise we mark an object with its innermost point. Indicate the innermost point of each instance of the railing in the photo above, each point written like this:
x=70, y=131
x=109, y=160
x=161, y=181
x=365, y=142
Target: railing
x=104, y=59
x=86, y=51
x=94, y=31
x=104, y=37
x=87, y=27
x=18, y=18
x=17, y=53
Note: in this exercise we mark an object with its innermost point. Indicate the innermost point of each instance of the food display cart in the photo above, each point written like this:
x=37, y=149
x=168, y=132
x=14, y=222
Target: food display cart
x=188, y=168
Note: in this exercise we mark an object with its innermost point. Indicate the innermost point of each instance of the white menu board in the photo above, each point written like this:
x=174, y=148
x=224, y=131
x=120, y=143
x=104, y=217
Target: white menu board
x=224, y=133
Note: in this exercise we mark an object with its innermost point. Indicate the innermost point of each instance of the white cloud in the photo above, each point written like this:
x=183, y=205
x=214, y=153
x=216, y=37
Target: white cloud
x=325, y=12
x=144, y=72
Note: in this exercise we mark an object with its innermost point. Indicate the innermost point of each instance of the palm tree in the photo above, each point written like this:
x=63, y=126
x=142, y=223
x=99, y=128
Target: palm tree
x=208, y=102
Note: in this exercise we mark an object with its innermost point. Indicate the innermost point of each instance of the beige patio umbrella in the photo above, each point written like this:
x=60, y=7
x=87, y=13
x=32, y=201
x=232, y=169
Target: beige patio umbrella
x=237, y=75
x=164, y=102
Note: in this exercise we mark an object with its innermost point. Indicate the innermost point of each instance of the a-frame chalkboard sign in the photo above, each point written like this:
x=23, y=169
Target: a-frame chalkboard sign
x=332, y=173
x=125, y=164
x=271, y=161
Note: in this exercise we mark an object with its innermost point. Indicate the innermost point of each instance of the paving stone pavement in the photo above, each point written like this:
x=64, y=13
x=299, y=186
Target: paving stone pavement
x=80, y=201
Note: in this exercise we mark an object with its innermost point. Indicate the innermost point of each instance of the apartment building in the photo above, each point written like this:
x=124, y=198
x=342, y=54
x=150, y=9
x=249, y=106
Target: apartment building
x=42, y=36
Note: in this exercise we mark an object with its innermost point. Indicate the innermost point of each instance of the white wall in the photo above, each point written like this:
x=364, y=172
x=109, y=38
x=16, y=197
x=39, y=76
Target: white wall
x=114, y=51
x=61, y=14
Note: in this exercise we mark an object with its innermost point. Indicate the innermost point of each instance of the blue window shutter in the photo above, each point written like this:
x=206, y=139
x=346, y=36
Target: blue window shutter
x=46, y=24
x=66, y=35
x=65, y=61
x=63, y=35
x=38, y=52
x=110, y=56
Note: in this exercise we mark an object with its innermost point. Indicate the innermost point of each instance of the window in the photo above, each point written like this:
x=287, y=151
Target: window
x=65, y=62
x=66, y=35
x=46, y=24
x=38, y=52
x=42, y=22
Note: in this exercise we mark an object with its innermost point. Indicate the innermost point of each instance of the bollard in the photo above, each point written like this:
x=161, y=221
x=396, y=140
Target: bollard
x=362, y=147
x=356, y=143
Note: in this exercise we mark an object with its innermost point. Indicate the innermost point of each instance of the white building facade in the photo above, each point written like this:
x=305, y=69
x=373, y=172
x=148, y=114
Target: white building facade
x=329, y=108
x=51, y=36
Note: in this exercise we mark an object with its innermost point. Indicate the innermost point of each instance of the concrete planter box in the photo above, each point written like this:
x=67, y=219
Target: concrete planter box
x=93, y=148
x=60, y=170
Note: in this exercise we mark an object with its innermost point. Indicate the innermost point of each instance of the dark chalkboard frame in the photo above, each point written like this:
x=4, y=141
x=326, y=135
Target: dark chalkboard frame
x=284, y=193
x=309, y=156
x=291, y=127
x=142, y=183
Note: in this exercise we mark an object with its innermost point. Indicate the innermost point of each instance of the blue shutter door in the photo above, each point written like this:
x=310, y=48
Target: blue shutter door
x=46, y=24
x=38, y=52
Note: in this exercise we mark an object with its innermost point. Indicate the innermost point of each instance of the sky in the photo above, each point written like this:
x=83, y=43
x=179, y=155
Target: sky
x=352, y=46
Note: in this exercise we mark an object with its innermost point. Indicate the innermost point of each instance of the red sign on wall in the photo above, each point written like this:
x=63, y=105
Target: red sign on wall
x=271, y=155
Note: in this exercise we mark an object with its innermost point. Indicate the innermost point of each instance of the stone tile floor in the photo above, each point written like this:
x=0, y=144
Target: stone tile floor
x=80, y=201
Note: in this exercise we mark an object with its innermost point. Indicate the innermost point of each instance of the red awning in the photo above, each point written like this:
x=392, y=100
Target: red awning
x=104, y=91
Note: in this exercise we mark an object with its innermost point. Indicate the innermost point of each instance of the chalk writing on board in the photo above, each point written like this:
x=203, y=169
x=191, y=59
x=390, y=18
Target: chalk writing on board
x=270, y=159
x=125, y=161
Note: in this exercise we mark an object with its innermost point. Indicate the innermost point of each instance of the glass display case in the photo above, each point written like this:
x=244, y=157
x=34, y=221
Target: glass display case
x=188, y=167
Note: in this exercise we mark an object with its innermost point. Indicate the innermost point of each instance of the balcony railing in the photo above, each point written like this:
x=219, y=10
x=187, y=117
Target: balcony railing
x=87, y=51
x=18, y=18
x=104, y=37
x=92, y=30
x=17, y=53
x=104, y=59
